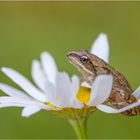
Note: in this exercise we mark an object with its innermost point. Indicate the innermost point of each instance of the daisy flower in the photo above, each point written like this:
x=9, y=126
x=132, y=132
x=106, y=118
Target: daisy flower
x=54, y=91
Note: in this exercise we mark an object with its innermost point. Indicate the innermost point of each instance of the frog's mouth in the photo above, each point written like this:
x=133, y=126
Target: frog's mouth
x=73, y=58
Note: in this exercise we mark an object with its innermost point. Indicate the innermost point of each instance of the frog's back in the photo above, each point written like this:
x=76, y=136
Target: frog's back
x=121, y=91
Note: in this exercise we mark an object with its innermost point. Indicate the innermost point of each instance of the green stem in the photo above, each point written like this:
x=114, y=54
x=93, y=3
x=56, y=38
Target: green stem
x=79, y=127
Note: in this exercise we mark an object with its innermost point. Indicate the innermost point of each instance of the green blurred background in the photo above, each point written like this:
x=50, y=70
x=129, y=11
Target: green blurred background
x=28, y=28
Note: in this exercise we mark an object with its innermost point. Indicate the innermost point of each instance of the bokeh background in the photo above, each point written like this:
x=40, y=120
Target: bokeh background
x=28, y=28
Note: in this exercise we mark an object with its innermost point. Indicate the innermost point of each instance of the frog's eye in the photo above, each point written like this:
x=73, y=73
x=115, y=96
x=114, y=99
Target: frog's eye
x=84, y=59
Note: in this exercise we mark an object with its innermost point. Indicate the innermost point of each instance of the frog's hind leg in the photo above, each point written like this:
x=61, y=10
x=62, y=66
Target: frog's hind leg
x=135, y=111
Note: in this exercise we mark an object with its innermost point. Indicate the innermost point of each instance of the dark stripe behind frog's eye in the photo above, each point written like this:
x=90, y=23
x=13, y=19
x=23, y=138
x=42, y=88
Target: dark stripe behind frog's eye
x=84, y=59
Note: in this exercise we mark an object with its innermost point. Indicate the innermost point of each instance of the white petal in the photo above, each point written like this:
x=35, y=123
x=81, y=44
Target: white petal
x=38, y=75
x=101, y=89
x=30, y=110
x=11, y=105
x=76, y=104
x=85, y=84
x=49, y=66
x=75, y=84
x=109, y=109
x=13, y=92
x=24, y=84
x=41, y=80
x=7, y=99
x=75, y=87
x=18, y=102
x=136, y=93
x=63, y=88
x=101, y=47
x=52, y=96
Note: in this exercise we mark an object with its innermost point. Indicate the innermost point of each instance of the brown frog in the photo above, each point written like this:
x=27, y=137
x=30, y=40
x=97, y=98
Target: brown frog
x=90, y=66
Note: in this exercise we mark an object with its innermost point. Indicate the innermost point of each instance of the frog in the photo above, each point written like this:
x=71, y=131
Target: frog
x=90, y=66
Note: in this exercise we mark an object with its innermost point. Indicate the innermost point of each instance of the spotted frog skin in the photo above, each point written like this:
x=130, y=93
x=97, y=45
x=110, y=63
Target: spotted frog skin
x=90, y=66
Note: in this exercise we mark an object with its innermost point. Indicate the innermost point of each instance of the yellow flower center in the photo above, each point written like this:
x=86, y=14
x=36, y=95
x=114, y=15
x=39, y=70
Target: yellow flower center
x=83, y=95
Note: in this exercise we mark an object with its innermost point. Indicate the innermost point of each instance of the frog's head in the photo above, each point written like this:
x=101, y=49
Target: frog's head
x=82, y=60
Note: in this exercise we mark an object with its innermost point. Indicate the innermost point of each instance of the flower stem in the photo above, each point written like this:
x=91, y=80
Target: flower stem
x=79, y=127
